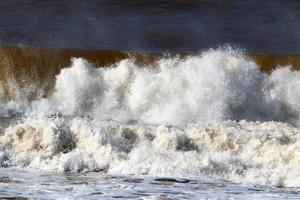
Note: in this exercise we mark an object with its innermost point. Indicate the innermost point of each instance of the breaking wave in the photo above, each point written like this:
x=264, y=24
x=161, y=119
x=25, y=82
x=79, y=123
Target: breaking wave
x=212, y=115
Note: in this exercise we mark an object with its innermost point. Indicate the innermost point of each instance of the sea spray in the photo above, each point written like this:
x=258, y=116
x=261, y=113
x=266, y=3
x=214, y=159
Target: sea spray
x=216, y=85
x=212, y=115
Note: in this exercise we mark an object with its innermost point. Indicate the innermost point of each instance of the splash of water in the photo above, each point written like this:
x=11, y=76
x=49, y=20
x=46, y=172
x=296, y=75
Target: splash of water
x=171, y=118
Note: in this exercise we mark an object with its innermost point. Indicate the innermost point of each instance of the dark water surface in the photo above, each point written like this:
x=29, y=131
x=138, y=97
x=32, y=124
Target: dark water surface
x=271, y=27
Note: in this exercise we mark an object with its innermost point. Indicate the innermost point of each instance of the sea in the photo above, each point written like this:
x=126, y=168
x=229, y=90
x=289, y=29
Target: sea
x=149, y=99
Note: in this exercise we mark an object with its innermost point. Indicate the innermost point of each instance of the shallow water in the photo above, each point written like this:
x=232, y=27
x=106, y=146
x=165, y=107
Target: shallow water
x=26, y=184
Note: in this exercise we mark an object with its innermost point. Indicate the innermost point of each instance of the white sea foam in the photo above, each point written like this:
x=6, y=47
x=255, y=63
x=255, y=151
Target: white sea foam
x=215, y=86
x=264, y=153
x=168, y=119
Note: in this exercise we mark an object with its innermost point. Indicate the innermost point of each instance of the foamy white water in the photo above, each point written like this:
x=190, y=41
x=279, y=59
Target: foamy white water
x=214, y=116
x=217, y=85
x=249, y=152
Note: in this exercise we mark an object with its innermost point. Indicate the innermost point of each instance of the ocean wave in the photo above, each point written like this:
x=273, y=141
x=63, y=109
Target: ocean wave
x=217, y=85
x=217, y=114
x=248, y=152
x=28, y=73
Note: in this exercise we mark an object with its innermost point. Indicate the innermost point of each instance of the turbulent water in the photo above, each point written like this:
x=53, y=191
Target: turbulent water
x=208, y=119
